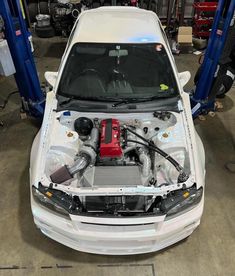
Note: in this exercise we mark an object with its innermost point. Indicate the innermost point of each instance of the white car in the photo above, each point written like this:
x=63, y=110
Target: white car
x=117, y=167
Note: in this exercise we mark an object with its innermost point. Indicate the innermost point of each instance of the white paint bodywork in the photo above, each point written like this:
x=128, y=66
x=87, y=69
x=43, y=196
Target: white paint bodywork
x=117, y=25
x=118, y=236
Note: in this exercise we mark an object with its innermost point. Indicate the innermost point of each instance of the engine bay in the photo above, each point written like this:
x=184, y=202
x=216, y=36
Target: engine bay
x=118, y=151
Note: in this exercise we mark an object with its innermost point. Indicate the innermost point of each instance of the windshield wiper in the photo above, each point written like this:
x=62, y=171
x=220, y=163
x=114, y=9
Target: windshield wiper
x=139, y=100
x=73, y=98
x=67, y=101
x=122, y=102
x=130, y=100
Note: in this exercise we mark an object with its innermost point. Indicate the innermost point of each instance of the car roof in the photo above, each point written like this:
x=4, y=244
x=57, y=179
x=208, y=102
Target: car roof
x=118, y=25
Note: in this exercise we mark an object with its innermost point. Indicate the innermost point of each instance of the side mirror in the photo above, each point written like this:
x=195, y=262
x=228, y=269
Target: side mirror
x=51, y=78
x=184, y=77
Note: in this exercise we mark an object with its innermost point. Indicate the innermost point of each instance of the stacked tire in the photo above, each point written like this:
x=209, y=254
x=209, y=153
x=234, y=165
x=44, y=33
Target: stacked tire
x=45, y=31
x=36, y=7
x=33, y=11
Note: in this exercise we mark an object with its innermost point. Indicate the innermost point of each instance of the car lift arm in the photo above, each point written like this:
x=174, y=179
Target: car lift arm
x=203, y=99
x=17, y=35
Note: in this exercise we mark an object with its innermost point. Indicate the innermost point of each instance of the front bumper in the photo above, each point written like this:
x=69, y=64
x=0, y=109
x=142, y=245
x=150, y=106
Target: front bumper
x=116, y=236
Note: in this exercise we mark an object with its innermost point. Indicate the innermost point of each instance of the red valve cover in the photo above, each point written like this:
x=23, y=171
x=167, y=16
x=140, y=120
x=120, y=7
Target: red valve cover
x=110, y=139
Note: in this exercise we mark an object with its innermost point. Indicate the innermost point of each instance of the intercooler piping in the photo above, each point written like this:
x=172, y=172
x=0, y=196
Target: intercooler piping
x=86, y=157
x=141, y=151
x=146, y=162
x=94, y=137
x=87, y=154
x=183, y=176
x=80, y=163
x=143, y=157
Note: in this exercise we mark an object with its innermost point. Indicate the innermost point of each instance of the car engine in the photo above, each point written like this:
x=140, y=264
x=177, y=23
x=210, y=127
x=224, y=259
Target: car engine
x=116, y=152
x=109, y=155
x=113, y=152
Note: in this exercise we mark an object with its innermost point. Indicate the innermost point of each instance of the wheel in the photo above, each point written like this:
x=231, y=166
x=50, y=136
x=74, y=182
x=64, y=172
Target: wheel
x=45, y=32
x=43, y=6
x=33, y=11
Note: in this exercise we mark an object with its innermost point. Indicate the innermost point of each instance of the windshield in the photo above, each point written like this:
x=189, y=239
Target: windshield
x=117, y=71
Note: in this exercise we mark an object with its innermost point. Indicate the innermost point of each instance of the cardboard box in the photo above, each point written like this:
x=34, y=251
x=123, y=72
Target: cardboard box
x=185, y=39
x=185, y=35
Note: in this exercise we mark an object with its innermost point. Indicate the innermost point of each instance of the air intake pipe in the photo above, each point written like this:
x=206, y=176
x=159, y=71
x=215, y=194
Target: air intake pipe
x=85, y=158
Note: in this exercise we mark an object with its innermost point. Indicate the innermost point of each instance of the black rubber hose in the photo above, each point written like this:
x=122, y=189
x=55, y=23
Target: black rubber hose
x=182, y=176
x=2, y=106
x=162, y=153
x=158, y=150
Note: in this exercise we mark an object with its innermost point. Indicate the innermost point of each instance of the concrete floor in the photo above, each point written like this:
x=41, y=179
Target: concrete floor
x=25, y=251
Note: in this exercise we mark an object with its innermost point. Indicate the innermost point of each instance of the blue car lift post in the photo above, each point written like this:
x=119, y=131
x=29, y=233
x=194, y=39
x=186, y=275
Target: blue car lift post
x=201, y=100
x=33, y=99
x=17, y=35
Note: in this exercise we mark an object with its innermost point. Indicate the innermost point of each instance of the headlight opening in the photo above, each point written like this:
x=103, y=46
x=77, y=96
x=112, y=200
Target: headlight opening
x=181, y=201
x=46, y=201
